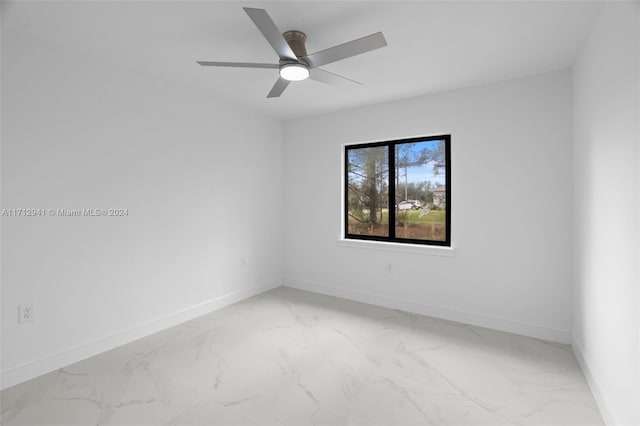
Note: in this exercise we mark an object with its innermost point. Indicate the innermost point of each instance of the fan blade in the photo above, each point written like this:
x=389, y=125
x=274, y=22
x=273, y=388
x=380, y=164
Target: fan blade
x=237, y=64
x=270, y=31
x=327, y=77
x=346, y=50
x=278, y=88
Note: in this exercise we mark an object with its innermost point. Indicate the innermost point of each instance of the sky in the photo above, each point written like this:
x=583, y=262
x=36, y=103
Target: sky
x=425, y=172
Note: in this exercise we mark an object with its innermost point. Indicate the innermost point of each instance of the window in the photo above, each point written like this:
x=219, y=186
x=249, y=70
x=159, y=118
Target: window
x=399, y=191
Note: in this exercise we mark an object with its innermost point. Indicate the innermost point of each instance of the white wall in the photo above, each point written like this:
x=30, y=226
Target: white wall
x=511, y=207
x=201, y=180
x=607, y=164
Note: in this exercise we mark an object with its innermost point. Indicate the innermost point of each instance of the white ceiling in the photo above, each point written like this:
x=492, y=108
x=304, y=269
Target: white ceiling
x=433, y=46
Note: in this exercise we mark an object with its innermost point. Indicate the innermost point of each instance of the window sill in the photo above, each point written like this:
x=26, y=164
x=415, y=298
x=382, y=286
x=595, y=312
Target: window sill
x=398, y=247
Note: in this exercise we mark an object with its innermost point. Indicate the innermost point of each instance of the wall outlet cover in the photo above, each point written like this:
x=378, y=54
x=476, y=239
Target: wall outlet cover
x=27, y=313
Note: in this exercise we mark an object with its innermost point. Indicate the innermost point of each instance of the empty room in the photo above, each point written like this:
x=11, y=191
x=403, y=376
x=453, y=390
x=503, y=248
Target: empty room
x=320, y=213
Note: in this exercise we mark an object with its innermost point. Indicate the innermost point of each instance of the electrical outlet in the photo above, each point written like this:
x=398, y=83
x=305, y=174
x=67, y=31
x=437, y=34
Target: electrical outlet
x=27, y=312
x=389, y=268
x=243, y=262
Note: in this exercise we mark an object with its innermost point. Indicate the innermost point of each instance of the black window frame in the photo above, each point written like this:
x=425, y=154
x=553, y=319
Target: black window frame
x=391, y=144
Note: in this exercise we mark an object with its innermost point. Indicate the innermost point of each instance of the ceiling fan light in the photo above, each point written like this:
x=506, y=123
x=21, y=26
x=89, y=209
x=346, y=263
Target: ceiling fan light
x=294, y=72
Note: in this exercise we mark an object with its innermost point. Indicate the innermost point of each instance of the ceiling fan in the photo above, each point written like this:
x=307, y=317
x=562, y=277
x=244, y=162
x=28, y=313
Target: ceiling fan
x=295, y=64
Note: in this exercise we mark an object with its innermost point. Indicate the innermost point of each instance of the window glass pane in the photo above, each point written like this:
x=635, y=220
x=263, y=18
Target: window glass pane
x=420, y=203
x=368, y=191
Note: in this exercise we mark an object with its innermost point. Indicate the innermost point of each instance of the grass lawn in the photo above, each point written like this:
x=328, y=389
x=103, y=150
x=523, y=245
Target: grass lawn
x=411, y=224
x=418, y=216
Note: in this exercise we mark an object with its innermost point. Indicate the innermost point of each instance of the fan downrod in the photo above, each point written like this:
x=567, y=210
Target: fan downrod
x=296, y=40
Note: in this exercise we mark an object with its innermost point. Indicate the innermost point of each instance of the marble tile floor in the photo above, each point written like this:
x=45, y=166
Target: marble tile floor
x=289, y=357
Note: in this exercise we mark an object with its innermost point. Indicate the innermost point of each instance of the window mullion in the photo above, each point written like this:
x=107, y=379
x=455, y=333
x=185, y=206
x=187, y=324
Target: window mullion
x=392, y=191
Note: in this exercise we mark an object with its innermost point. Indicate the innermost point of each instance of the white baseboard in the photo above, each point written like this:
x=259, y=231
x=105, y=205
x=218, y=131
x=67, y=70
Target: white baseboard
x=605, y=410
x=537, y=331
x=51, y=362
